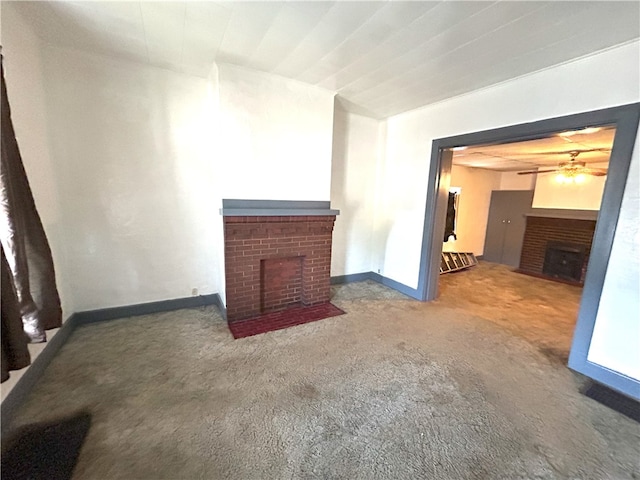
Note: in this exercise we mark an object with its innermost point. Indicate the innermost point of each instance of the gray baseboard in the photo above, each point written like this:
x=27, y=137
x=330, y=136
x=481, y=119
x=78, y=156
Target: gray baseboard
x=353, y=277
x=400, y=287
x=34, y=372
x=376, y=277
x=32, y=375
x=125, y=311
x=217, y=301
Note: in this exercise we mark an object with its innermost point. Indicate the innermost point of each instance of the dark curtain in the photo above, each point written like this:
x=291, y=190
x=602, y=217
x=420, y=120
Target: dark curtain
x=450, y=224
x=23, y=239
x=15, y=354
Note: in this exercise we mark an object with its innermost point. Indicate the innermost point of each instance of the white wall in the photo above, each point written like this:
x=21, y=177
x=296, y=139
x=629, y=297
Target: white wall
x=217, y=187
x=616, y=336
x=513, y=181
x=133, y=152
x=586, y=84
x=381, y=217
x=140, y=157
x=275, y=137
x=577, y=196
x=473, y=208
x=401, y=198
x=353, y=175
x=142, y=171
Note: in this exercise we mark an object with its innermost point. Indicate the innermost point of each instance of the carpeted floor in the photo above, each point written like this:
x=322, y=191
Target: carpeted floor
x=463, y=388
x=540, y=311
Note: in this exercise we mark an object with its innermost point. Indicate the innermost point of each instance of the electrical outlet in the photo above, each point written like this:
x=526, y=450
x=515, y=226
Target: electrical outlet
x=194, y=292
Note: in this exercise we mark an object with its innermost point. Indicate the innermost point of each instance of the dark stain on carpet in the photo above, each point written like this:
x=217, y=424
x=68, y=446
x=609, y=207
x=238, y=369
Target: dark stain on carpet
x=306, y=391
x=555, y=355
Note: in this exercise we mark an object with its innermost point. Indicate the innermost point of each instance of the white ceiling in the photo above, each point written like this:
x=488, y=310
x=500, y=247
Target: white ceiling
x=382, y=58
x=543, y=152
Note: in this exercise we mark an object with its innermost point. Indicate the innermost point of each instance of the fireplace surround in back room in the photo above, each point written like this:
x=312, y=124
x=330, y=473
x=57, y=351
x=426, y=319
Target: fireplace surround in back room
x=277, y=255
x=568, y=231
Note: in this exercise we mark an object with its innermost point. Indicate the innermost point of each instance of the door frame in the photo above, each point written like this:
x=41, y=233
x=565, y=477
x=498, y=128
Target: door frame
x=626, y=119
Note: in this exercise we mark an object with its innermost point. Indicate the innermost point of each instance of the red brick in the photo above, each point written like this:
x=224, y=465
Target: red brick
x=540, y=230
x=249, y=241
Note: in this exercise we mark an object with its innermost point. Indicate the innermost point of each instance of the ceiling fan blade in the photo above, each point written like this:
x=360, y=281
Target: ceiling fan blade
x=597, y=173
x=534, y=172
x=573, y=150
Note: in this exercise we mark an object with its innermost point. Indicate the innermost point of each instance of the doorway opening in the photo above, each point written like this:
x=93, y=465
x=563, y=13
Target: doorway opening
x=625, y=120
x=522, y=203
x=518, y=213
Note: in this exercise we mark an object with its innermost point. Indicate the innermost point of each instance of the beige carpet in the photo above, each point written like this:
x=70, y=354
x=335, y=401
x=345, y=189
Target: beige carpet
x=394, y=389
x=540, y=311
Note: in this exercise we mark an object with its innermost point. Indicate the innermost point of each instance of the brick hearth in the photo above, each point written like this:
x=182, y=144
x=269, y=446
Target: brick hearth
x=276, y=262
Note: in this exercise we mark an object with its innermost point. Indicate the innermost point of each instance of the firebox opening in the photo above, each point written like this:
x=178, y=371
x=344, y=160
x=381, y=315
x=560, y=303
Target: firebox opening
x=564, y=260
x=281, y=283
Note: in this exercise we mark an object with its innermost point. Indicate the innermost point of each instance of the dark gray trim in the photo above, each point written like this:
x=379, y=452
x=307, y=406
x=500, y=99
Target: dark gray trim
x=627, y=121
x=263, y=208
x=276, y=204
x=433, y=232
x=625, y=118
x=217, y=301
x=612, y=399
x=352, y=277
x=561, y=213
x=276, y=213
x=400, y=287
x=606, y=376
x=25, y=384
x=376, y=277
x=104, y=314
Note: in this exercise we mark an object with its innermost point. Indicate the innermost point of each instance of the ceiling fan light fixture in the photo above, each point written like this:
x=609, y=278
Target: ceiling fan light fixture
x=569, y=177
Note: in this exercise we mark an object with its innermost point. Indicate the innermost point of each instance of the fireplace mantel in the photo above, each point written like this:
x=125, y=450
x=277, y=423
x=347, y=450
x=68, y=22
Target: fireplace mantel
x=278, y=208
x=563, y=213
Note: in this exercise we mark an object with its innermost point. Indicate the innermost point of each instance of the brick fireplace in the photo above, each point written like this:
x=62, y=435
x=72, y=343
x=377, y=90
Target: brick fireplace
x=562, y=240
x=277, y=255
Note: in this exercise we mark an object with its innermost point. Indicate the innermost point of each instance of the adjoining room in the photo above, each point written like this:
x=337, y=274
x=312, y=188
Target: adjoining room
x=528, y=208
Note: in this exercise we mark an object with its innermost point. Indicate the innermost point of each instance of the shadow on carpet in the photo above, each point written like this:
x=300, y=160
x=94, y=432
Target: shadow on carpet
x=45, y=450
x=614, y=400
x=283, y=319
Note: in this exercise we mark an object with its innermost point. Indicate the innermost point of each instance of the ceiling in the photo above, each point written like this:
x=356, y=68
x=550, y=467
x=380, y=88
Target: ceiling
x=544, y=152
x=382, y=58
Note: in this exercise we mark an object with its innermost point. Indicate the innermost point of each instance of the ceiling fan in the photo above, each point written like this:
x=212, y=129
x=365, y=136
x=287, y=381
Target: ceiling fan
x=573, y=167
